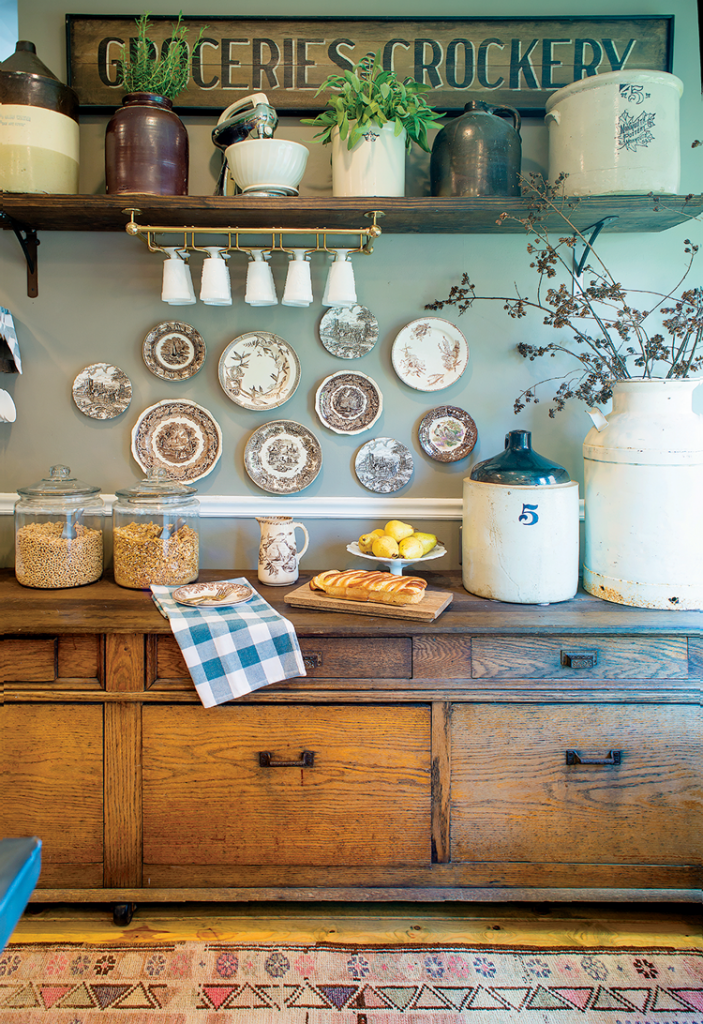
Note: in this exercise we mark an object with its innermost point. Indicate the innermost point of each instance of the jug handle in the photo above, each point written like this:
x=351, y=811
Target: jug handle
x=517, y=120
x=599, y=420
x=299, y=554
x=256, y=97
x=552, y=115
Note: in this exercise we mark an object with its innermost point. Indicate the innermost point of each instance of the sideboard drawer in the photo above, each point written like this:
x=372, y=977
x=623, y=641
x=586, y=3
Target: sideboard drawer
x=208, y=799
x=516, y=798
x=324, y=657
x=594, y=657
x=74, y=662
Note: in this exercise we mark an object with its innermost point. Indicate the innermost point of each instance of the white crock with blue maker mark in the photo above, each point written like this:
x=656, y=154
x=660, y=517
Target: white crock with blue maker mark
x=616, y=132
x=520, y=536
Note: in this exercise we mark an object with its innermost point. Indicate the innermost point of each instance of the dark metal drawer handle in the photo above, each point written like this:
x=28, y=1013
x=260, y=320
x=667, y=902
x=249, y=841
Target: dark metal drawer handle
x=307, y=758
x=579, y=659
x=312, y=660
x=612, y=757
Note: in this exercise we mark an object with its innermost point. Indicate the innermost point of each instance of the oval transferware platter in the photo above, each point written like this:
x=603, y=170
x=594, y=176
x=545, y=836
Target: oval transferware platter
x=430, y=354
x=282, y=457
x=447, y=433
x=259, y=371
x=173, y=350
x=219, y=594
x=179, y=436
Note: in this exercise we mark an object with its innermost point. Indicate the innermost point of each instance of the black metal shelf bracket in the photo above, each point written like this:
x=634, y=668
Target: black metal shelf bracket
x=595, y=229
x=27, y=237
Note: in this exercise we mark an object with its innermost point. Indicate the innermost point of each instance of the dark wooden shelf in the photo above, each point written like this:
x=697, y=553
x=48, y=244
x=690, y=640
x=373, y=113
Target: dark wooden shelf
x=422, y=215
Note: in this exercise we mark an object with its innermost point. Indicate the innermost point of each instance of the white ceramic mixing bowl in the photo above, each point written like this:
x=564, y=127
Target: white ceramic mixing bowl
x=275, y=164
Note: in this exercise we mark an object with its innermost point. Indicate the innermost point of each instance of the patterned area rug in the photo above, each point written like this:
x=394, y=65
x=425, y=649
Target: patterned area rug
x=224, y=983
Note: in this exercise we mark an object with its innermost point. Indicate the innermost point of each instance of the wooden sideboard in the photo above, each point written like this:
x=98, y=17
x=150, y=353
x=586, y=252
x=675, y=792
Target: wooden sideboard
x=502, y=752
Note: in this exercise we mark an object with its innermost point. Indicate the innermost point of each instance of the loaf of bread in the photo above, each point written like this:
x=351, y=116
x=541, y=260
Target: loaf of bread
x=381, y=587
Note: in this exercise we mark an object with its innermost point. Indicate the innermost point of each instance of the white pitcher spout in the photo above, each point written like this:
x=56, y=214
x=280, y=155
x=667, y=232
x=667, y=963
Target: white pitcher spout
x=599, y=420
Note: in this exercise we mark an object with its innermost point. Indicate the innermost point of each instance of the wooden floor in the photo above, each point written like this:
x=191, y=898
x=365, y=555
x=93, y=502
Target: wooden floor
x=679, y=926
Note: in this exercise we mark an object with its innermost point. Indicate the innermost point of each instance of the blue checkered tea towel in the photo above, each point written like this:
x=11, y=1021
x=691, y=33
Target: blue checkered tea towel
x=232, y=651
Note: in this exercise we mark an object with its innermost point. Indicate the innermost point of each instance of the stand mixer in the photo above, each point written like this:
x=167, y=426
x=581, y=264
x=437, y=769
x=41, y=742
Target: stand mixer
x=257, y=163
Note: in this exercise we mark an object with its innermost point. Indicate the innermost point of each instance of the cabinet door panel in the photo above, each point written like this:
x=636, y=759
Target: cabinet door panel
x=52, y=786
x=514, y=797
x=365, y=800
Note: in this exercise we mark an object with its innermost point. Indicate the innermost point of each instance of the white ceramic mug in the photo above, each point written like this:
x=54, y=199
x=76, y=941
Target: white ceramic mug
x=215, y=286
x=278, y=555
x=177, y=286
x=340, y=289
x=298, y=290
x=260, y=287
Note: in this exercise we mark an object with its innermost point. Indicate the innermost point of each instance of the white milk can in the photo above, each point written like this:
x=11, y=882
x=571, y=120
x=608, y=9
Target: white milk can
x=643, y=478
x=616, y=132
x=278, y=554
x=520, y=536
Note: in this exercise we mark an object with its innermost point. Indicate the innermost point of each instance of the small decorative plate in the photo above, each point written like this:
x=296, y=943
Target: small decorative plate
x=180, y=436
x=349, y=331
x=282, y=457
x=102, y=391
x=220, y=594
x=447, y=433
x=396, y=565
x=259, y=371
x=430, y=354
x=383, y=465
x=348, y=403
x=173, y=350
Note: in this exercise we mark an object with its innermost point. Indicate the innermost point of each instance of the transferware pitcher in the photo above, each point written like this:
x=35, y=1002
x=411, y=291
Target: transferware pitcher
x=278, y=555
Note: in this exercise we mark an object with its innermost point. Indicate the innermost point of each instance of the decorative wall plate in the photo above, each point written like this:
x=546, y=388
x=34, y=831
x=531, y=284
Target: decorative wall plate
x=180, y=436
x=430, y=354
x=259, y=371
x=102, y=391
x=447, y=433
x=349, y=331
x=173, y=350
x=219, y=594
x=282, y=457
x=348, y=403
x=383, y=465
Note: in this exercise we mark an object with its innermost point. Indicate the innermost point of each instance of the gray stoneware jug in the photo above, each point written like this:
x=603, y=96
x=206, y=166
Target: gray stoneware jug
x=477, y=154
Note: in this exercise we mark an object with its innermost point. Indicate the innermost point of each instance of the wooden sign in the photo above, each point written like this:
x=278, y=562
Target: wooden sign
x=514, y=61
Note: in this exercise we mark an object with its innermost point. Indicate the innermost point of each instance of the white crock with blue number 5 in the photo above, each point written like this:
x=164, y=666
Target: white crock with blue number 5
x=520, y=537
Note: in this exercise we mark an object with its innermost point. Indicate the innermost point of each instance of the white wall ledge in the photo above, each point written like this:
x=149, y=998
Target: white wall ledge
x=226, y=506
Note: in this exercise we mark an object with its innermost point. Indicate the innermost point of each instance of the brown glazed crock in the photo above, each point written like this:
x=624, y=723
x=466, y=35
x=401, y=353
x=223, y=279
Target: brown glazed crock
x=146, y=148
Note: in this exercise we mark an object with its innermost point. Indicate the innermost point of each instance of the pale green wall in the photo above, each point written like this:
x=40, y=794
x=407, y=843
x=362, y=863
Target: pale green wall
x=99, y=296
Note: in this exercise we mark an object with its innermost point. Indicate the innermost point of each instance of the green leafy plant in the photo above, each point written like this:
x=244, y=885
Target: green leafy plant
x=611, y=332
x=143, y=70
x=368, y=95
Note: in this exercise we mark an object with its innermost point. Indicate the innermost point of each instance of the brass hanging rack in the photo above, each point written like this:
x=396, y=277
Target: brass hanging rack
x=149, y=232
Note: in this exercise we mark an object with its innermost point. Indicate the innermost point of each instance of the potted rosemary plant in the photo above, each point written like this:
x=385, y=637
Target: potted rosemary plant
x=371, y=119
x=146, y=143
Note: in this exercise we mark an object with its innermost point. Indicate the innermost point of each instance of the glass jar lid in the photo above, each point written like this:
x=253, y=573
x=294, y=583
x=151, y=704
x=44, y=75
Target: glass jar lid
x=58, y=484
x=519, y=465
x=155, y=486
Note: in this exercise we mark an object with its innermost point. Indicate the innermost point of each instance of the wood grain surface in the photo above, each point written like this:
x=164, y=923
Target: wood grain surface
x=432, y=605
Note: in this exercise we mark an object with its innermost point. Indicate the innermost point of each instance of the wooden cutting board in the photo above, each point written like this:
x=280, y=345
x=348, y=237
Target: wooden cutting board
x=433, y=604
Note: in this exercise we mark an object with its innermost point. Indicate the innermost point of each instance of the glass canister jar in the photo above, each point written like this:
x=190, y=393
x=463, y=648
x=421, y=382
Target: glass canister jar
x=58, y=532
x=155, y=533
